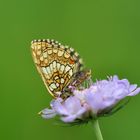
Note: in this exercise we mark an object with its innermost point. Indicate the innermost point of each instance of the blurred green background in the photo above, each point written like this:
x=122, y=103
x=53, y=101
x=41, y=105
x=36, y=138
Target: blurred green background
x=105, y=33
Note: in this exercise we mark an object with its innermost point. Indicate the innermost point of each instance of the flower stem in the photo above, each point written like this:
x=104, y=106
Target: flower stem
x=97, y=130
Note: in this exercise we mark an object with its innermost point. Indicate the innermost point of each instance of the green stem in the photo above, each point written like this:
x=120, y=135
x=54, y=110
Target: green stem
x=97, y=130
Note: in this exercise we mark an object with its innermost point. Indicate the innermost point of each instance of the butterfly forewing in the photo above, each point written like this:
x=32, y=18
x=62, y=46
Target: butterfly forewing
x=56, y=63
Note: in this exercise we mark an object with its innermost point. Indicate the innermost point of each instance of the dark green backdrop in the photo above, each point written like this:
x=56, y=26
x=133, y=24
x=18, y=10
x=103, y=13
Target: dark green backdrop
x=105, y=33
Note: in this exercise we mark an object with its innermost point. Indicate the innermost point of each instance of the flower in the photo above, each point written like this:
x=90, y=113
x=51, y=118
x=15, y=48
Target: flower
x=100, y=98
x=70, y=109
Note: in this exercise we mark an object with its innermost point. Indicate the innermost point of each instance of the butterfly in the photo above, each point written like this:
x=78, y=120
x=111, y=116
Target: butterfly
x=60, y=67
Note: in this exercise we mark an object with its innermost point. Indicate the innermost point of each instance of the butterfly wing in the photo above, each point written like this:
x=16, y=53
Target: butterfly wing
x=57, y=64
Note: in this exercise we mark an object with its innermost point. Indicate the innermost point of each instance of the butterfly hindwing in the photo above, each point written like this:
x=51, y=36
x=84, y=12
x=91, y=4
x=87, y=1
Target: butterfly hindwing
x=56, y=63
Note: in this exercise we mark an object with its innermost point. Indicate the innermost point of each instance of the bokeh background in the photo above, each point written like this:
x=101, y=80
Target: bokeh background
x=105, y=33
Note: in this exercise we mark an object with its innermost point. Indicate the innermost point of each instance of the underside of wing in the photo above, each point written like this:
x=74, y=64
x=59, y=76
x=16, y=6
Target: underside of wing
x=56, y=63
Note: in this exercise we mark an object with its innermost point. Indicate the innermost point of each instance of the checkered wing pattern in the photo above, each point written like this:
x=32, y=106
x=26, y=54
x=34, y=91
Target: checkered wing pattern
x=57, y=64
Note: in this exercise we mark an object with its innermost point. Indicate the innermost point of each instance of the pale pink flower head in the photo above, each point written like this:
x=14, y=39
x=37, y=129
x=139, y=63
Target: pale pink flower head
x=92, y=102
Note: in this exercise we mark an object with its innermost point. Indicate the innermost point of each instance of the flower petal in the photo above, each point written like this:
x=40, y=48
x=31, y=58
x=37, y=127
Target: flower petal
x=79, y=94
x=135, y=92
x=58, y=107
x=72, y=105
x=68, y=119
x=72, y=117
x=115, y=78
x=48, y=113
x=132, y=87
x=94, y=101
x=120, y=93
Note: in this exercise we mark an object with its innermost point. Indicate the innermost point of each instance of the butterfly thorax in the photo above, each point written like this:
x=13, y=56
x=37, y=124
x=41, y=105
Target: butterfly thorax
x=76, y=83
